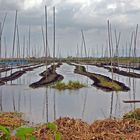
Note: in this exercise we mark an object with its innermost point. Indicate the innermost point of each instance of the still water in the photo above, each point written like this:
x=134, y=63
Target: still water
x=88, y=103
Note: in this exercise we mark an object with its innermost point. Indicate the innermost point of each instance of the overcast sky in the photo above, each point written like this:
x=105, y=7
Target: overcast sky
x=71, y=17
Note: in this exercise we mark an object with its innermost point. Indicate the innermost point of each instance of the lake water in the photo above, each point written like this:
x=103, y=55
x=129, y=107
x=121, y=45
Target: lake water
x=87, y=103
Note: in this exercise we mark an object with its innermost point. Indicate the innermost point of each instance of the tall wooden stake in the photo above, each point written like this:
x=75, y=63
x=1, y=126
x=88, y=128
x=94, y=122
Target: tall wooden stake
x=14, y=35
x=84, y=43
x=46, y=60
x=29, y=40
x=0, y=38
x=53, y=38
x=46, y=27
x=1, y=31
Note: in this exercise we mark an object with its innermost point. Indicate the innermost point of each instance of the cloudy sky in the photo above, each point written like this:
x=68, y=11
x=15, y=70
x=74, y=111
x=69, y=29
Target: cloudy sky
x=71, y=17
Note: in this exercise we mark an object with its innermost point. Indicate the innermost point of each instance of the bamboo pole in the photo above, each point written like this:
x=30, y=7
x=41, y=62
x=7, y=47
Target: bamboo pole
x=117, y=39
x=46, y=25
x=18, y=44
x=0, y=37
x=1, y=31
x=14, y=35
x=46, y=29
x=110, y=50
x=14, y=38
x=84, y=43
x=29, y=41
x=77, y=53
x=43, y=38
x=23, y=46
x=5, y=45
x=135, y=44
x=53, y=38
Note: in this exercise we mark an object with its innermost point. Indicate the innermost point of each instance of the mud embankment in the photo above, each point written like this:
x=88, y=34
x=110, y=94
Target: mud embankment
x=17, y=74
x=100, y=81
x=123, y=73
x=49, y=76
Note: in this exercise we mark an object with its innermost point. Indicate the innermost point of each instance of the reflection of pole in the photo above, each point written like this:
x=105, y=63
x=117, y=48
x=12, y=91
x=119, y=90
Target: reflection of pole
x=130, y=92
x=1, y=109
x=134, y=96
x=111, y=107
x=54, y=107
x=117, y=105
x=46, y=105
x=30, y=103
x=84, y=106
x=19, y=101
x=14, y=107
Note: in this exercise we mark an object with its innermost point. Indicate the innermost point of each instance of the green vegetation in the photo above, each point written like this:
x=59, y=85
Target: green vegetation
x=135, y=114
x=4, y=133
x=70, y=85
x=29, y=133
x=79, y=59
x=51, y=133
x=65, y=128
x=107, y=83
x=24, y=132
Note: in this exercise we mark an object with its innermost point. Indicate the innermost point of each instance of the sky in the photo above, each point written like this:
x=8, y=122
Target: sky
x=71, y=16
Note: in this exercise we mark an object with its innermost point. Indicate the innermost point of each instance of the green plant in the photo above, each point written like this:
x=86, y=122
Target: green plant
x=54, y=128
x=69, y=85
x=24, y=133
x=4, y=133
x=134, y=114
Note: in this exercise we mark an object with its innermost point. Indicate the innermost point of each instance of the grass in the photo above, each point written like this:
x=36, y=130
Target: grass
x=106, y=83
x=72, y=85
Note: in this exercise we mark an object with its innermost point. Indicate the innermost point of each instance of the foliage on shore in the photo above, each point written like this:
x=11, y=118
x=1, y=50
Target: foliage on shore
x=127, y=128
x=11, y=119
x=134, y=114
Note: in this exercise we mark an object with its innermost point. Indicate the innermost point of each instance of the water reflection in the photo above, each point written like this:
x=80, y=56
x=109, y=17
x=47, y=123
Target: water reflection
x=46, y=104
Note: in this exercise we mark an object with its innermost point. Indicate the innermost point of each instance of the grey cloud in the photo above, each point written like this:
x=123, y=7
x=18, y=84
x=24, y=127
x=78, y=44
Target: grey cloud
x=70, y=18
x=11, y=4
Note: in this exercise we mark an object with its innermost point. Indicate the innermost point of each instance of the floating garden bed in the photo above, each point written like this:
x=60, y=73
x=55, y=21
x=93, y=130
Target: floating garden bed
x=48, y=77
x=72, y=85
x=101, y=81
x=124, y=73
